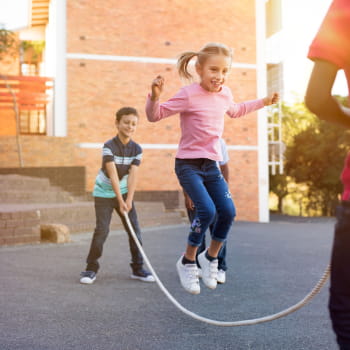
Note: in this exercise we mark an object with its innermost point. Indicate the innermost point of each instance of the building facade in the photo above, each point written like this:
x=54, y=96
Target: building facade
x=104, y=55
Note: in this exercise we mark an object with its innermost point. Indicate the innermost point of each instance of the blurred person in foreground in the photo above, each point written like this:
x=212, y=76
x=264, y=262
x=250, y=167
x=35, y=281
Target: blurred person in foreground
x=330, y=52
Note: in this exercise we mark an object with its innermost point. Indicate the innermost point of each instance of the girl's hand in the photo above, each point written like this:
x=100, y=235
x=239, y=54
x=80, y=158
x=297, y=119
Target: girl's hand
x=188, y=202
x=271, y=100
x=157, y=87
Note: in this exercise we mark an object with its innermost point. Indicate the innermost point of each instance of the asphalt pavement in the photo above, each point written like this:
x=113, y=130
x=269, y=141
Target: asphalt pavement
x=271, y=267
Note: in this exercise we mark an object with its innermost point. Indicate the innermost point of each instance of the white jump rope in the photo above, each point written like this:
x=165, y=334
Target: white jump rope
x=268, y=318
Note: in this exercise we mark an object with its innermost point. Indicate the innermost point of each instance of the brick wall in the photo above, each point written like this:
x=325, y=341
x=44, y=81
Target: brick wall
x=19, y=227
x=134, y=28
x=37, y=151
x=54, y=158
x=96, y=89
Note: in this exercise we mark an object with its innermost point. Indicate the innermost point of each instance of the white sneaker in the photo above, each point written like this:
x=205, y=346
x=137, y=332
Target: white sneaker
x=188, y=276
x=142, y=275
x=221, y=278
x=87, y=277
x=199, y=272
x=209, y=270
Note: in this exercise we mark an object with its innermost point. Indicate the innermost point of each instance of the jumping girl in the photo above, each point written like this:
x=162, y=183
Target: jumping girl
x=202, y=107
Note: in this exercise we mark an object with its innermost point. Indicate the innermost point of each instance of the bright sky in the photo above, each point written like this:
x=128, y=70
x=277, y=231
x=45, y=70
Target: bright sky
x=301, y=21
x=14, y=14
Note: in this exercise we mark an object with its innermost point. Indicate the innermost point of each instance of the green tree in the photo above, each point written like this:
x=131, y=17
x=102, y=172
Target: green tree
x=8, y=44
x=279, y=186
x=295, y=119
x=316, y=158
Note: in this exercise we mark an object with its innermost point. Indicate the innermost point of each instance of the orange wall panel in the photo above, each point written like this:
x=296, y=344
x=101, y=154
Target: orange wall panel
x=7, y=122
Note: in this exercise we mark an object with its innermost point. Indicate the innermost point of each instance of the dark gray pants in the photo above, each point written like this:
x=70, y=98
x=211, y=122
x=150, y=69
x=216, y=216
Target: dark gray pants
x=104, y=208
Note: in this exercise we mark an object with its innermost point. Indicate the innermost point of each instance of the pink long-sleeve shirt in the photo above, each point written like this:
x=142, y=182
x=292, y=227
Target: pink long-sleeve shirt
x=201, y=118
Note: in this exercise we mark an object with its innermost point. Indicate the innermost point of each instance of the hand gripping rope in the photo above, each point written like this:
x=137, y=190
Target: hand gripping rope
x=250, y=322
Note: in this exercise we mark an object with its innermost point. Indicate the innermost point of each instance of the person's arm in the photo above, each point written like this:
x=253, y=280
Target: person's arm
x=237, y=110
x=225, y=171
x=132, y=180
x=156, y=111
x=113, y=176
x=319, y=99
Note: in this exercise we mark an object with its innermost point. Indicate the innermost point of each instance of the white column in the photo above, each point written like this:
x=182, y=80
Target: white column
x=263, y=175
x=60, y=73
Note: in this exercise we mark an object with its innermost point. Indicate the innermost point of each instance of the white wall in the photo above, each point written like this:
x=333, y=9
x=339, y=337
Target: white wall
x=263, y=176
x=55, y=65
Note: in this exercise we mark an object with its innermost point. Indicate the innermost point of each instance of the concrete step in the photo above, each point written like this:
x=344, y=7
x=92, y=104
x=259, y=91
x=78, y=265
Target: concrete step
x=19, y=182
x=48, y=195
x=80, y=216
x=23, y=198
x=26, y=190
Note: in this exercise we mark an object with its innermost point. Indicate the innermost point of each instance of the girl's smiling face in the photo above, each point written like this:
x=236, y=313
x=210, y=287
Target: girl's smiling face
x=213, y=72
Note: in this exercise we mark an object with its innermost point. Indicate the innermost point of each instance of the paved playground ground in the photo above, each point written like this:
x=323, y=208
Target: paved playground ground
x=271, y=267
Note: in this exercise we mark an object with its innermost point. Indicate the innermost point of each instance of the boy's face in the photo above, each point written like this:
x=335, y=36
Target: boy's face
x=126, y=126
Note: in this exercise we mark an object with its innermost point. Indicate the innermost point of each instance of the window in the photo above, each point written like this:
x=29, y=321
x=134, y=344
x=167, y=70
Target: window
x=32, y=121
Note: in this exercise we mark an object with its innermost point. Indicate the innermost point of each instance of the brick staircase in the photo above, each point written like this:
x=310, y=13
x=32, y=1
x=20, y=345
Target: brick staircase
x=27, y=202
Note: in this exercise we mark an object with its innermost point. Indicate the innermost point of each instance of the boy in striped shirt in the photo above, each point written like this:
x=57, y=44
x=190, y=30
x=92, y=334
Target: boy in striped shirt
x=114, y=190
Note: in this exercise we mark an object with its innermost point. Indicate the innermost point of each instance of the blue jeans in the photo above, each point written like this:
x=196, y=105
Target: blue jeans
x=339, y=299
x=222, y=252
x=203, y=182
x=104, y=208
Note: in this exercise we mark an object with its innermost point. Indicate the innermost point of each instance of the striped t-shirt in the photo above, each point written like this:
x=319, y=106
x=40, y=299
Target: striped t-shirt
x=123, y=156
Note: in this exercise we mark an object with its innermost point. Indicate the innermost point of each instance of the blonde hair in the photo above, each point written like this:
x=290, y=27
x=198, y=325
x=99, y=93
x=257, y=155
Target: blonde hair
x=202, y=55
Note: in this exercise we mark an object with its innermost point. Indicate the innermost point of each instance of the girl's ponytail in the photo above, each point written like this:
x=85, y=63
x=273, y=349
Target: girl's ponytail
x=206, y=51
x=182, y=64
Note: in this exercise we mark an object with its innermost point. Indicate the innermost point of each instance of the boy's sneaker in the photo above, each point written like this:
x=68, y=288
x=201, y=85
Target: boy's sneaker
x=87, y=277
x=142, y=275
x=221, y=276
x=188, y=276
x=209, y=270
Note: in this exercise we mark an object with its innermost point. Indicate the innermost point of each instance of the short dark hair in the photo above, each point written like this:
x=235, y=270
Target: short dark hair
x=125, y=111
